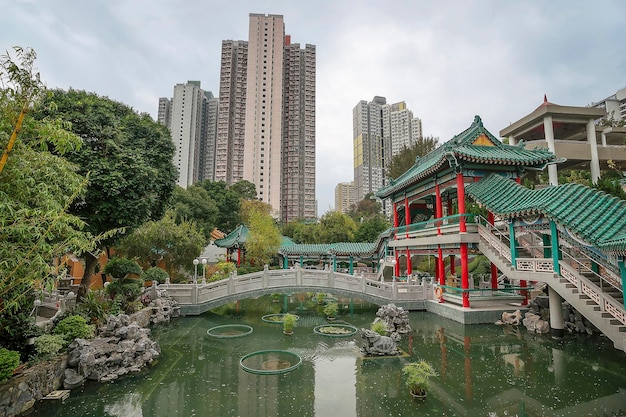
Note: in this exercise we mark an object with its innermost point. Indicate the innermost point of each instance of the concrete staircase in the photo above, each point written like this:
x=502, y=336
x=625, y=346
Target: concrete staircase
x=594, y=310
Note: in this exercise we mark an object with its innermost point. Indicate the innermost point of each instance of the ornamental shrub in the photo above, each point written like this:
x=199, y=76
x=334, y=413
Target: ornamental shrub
x=74, y=327
x=155, y=274
x=48, y=345
x=9, y=361
x=120, y=268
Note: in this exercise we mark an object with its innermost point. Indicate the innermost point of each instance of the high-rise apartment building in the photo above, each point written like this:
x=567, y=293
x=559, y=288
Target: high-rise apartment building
x=266, y=123
x=380, y=131
x=615, y=105
x=344, y=197
x=190, y=115
x=231, y=126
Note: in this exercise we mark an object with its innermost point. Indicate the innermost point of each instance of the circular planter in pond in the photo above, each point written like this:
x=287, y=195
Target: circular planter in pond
x=229, y=331
x=335, y=330
x=276, y=318
x=270, y=362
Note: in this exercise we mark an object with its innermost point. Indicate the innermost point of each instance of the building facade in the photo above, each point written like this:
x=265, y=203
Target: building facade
x=380, y=131
x=266, y=123
x=614, y=105
x=344, y=197
x=190, y=115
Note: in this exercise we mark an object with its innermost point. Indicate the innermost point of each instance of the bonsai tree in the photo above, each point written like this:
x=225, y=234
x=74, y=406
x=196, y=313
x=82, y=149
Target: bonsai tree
x=155, y=274
x=289, y=322
x=417, y=377
x=331, y=310
x=124, y=288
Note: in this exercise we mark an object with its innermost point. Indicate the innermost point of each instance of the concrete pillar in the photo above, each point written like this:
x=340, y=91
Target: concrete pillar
x=557, y=324
x=548, y=129
x=512, y=140
x=594, y=165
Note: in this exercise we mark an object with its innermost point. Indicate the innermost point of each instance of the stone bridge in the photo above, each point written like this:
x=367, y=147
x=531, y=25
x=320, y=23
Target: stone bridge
x=198, y=298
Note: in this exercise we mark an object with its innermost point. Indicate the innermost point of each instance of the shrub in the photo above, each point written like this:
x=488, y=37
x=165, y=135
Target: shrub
x=220, y=271
x=379, y=327
x=120, y=268
x=125, y=291
x=74, y=327
x=97, y=305
x=289, y=322
x=155, y=274
x=9, y=361
x=48, y=345
x=331, y=309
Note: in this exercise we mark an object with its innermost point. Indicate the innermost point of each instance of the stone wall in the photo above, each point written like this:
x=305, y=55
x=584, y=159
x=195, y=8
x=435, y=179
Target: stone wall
x=20, y=393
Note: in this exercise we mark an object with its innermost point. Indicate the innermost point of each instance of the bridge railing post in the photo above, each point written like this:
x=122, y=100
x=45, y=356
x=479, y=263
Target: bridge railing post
x=298, y=275
x=394, y=290
x=266, y=276
x=331, y=279
x=231, y=282
x=194, y=294
x=362, y=282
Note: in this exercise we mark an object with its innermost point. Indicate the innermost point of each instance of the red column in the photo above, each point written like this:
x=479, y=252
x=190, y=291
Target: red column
x=396, y=268
x=395, y=214
x=452, y=264
x=439, y=214
x=407, y=215
x=494, y=269
x=238, y=256
x=409, y=265
x=460, y=191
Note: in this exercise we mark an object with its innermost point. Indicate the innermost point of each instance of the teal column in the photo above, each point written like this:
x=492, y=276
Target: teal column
x=555, y=247
x=285, y=302
x=512, y=245
x=622, y=272
x=335, y=264
x=595, y=267
x=285, y=263
x=301, y=261
x=351, y=268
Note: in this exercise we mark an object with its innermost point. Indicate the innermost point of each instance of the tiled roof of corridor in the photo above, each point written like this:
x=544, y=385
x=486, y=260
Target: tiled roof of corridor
x=597, y=217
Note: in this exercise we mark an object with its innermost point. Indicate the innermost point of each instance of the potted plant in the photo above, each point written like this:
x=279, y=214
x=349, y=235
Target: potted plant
x=331, y=310
x=289, y=322
x=417, y=377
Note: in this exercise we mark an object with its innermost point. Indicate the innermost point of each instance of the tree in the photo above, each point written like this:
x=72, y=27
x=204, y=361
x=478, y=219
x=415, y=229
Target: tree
x=301, y=231
x=244, y=189
x=227, y=202
x=405, y=159
x=264, y=237
x=366, y=208
x=193, y=204
x=36, y=188
x=370, y=229
x=129, y=160
x=175, y=243
x=336, y=227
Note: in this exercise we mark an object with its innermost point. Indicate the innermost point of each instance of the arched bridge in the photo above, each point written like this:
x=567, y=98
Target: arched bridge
x=198, y=298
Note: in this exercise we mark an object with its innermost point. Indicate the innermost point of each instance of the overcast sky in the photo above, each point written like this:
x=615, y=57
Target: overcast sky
x=448, y=60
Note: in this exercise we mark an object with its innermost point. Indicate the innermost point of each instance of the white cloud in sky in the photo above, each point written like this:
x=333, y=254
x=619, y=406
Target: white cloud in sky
x=448, y=60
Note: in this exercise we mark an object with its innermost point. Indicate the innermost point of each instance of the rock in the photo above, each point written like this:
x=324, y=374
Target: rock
x=72, y=379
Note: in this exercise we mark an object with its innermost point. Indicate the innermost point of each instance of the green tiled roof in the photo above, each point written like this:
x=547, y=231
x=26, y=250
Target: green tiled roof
x=337, y=249
x=461, y=148
x=597, y=217
x=236, y=237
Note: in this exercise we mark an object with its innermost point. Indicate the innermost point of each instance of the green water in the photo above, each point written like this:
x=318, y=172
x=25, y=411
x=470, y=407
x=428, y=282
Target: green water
x=484, y=370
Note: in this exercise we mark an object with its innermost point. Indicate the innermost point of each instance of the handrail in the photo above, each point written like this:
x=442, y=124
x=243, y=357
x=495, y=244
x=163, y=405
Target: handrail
x=432, y=223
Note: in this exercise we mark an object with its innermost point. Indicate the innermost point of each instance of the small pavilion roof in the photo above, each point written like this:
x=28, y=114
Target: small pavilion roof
x=237, y=237
x=595, y=216
x=475, y=145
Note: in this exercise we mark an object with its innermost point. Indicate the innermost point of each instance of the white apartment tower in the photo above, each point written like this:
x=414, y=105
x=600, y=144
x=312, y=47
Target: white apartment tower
x=190, y=115
x=266, y=123
x=380, y=131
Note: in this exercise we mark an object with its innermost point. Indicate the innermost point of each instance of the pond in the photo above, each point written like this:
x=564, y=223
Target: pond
x=484, y=370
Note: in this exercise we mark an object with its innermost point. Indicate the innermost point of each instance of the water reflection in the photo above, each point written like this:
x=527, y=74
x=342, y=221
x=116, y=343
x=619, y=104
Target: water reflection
x=484, y=370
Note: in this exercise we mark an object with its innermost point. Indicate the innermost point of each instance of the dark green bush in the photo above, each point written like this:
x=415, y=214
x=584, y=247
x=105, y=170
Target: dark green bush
x=120, y=268
x=49, y=345
x=74, y=327
x=155, y=274
x=97, y=305
x=9, y=361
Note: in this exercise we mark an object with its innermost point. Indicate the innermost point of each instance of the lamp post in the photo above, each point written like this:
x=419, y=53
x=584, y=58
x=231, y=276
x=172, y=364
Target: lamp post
x=195, y=270
x=204, y=262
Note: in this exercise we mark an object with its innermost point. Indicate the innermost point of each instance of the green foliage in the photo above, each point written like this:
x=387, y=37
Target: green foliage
x=120, y=268
x=611, y=183
x=97, y=305
x=289, y=322
x=264, y=238
x=379, y=327
x=244, y=189
x=221, y=270
x=336, y=227
x=366, y=208
x=9, y=361
x=369, y=230
x=74, y=327
x=228, y=204
x=417, y=376
x=194, y=205
x=174, y=243
x=330, y=309
x=129, y=158
x=49, y=345
x=406, y=158
x=301, y=232
x=125, y=292
x=155, y=274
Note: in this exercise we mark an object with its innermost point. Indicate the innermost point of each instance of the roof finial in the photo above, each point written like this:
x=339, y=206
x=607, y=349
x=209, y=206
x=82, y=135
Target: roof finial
x=545, y=98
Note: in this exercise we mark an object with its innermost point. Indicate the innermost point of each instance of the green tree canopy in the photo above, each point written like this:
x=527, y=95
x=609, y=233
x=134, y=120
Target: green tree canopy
x=264, y=237
x=405, y=159
x=129, y=160
x=301, y=232
x=369, y=230
x=336, y=227
x=194, y=204
x=227, y=202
